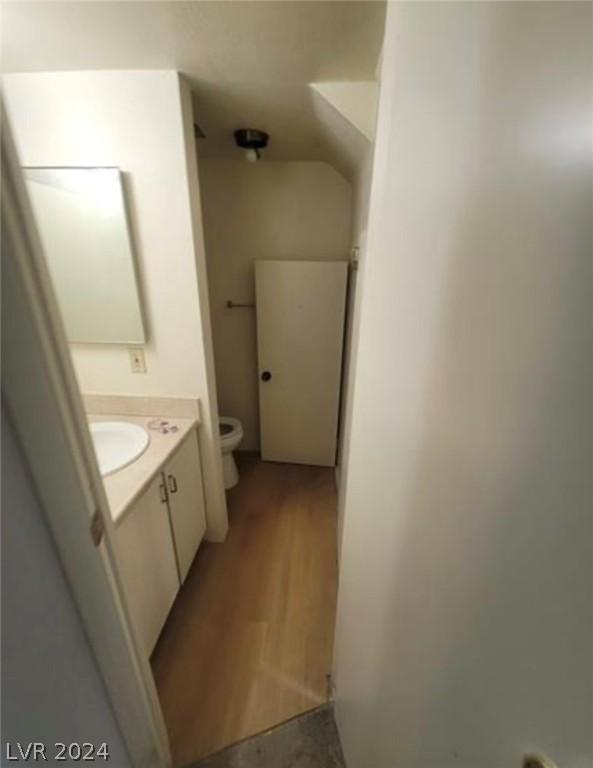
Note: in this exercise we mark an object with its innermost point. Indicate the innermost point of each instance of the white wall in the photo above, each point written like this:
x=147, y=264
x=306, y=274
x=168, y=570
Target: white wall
x=139, y=122
x=51, y=688
x=464, y=628
x=267, y=210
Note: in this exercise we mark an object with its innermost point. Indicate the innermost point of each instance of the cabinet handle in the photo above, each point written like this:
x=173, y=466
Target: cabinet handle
x=163, y=493
x=172, y=483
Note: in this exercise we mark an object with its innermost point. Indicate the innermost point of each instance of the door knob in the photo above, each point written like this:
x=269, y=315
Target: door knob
x=266, y=376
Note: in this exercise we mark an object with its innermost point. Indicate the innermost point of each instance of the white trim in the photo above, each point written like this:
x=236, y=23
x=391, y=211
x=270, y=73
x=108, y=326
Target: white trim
x=40, y=392
x=214, y=491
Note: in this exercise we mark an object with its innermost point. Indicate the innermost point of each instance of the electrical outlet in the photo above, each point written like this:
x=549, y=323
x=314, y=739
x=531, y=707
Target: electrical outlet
x=137, y=361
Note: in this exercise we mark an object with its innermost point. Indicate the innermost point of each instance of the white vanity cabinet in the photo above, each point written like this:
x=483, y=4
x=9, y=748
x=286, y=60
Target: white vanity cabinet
x=158, y=537
x=186, y=502
x=147, y=562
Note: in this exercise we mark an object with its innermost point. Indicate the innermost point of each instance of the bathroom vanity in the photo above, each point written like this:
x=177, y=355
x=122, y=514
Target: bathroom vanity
x=157, y=505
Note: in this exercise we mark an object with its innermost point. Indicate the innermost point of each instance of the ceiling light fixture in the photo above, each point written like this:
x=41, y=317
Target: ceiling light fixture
x=253, y=141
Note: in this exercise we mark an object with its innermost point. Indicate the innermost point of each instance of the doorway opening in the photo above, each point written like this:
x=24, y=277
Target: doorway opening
x=205, y=307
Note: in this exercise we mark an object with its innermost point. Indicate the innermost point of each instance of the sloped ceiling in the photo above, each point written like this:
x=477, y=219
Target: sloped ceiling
x=249, y=62
x=356, y=101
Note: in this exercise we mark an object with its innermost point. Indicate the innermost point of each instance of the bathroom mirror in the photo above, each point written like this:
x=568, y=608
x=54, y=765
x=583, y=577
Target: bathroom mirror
x=82, y=222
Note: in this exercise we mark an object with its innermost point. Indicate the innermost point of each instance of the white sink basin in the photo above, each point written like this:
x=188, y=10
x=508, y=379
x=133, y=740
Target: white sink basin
x=117, y=444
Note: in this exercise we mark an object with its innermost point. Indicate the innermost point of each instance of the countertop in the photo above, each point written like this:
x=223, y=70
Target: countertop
x=124, y=486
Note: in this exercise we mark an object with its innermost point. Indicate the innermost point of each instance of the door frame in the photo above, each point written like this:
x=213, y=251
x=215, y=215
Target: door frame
x=42, y=398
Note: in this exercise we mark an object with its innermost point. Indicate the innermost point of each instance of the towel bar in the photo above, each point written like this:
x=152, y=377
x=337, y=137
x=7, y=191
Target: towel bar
x=232, y=305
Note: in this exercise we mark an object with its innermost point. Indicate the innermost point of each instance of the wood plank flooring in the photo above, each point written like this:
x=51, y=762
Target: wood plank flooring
x=249, y=641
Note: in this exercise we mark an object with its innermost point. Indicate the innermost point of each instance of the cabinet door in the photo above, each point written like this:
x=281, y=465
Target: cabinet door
x=186, y=501
x=147, y=562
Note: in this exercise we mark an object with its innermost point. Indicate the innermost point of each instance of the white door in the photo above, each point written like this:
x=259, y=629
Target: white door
x=300, y=331
x=186, y=502
x=147, y=562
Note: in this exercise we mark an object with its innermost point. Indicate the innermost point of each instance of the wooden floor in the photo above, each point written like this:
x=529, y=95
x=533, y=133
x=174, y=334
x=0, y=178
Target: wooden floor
x=248, y=643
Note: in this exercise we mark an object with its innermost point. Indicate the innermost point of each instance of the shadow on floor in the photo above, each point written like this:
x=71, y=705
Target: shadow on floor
x=308, y=741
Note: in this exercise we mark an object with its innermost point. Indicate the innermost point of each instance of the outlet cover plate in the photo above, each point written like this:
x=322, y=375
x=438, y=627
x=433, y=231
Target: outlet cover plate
x=137, y=361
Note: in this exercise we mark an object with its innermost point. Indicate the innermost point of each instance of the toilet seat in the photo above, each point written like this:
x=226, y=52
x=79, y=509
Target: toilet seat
x=230, y=430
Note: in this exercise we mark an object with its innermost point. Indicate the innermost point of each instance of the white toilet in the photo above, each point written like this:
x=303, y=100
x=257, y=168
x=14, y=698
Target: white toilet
x=231, y=434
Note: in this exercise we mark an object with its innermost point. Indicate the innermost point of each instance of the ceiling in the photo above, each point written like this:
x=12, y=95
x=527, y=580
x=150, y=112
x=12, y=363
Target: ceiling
x=249, y=62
